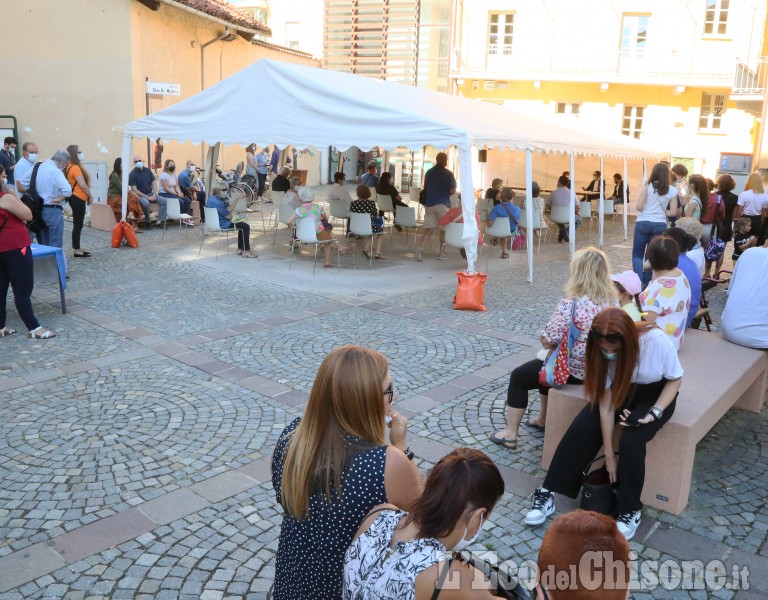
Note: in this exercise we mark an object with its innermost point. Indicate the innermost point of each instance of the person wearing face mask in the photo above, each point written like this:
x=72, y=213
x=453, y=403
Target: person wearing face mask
x=633, y=377
x=79, y=178
x=219, y=200
x=141, y=180
x=8, y=161
x=191, y=186
x=406, y=555
x=262, y=169
x=169, y=188
x=23, y=169
x=54, y=189
x=333, y=465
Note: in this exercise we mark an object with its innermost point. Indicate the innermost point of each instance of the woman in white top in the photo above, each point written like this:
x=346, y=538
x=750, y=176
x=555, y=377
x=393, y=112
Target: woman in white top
x=698, y=197
x=652, y=207
x=667, y=298
x=169, y=188
x=398, y=555
x=753, y=203
x=633, y=379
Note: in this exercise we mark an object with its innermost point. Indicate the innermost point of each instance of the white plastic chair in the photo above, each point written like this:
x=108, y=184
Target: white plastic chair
x=339, y=209
x=586, y=213
x=414, y=194
x=360, y=224
x=211, y=225
x=307, y=233
x=609, y=210
x=537, y=226
x=453, y=236
x=406, y=218
x=174, y=212
x=284, y=214
x=499, y=229
x=373, y=192
x=385, y=205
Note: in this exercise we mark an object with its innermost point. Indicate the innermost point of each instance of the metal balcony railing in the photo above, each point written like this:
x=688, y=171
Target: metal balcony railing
x=751, y=78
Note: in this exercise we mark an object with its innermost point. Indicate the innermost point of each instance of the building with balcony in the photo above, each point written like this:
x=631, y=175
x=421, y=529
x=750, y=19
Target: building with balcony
x=688, y=78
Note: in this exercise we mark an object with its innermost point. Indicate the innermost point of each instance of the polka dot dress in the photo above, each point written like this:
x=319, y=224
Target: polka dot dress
x=369, y=207
x=310, y=554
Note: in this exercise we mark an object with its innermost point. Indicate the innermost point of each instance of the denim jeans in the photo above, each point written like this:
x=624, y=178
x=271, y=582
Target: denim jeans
x=144, y=207
x=645, y=231
x=54, y=235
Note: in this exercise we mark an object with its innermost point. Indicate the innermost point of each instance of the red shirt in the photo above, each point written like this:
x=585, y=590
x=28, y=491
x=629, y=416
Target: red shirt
x=715, y=210
x=14, y=234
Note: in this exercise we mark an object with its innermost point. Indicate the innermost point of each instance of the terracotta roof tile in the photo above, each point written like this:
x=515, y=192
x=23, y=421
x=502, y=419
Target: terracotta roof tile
x=226, y=12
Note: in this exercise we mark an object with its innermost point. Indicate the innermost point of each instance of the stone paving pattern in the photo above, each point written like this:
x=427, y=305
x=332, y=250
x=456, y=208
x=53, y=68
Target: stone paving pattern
x=136, y=444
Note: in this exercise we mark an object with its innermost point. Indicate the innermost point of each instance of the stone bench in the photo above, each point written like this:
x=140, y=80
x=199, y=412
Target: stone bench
x=718, y=376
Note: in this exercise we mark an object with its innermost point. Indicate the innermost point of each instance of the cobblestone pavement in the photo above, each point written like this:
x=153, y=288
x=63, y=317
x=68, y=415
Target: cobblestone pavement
x=136, y=444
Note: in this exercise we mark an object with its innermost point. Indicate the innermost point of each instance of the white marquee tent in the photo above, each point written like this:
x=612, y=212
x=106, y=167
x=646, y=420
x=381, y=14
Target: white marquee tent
x=273, y=102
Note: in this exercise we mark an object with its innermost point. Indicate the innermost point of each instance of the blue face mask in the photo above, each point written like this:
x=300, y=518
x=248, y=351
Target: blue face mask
x=610, y=355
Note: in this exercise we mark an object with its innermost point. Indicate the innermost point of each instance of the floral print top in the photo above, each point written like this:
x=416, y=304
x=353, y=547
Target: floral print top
x=373, y=569
x=670, y=298
x=560, y=321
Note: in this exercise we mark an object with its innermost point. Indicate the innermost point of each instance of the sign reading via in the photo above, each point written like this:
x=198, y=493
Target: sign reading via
x=163, y=89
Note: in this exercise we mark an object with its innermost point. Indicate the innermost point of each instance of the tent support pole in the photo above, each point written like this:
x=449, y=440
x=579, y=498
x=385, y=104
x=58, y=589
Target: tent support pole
x=468, y=207
x=529, y=211
x=126, y=165
x=572, y=212
x=626, y=205
x=601, y=206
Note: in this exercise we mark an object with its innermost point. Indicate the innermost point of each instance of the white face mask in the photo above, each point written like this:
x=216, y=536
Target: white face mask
x=610, y=355
x=139, y=165
x=462, y=543
x=192, y=168
x=80, y=155
x=387, y=420
x=32, y=157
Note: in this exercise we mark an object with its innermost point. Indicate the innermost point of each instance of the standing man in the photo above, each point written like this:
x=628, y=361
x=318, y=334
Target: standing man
x=370, y=178
x=54, y=189
x=142, y=181
x=439, y=186
x=8, y=161
x=23, y=169
x=263, y=162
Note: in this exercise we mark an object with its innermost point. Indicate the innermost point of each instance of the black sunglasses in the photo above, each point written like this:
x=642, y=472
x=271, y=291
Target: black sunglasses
x=390, y=391
x=611, y=338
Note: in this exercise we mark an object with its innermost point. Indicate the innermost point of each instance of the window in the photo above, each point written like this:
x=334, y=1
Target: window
x=712, y=109
x=634, y=34
x=568, y=108
x=632, y=122
x=716, y=17
x=500, y=28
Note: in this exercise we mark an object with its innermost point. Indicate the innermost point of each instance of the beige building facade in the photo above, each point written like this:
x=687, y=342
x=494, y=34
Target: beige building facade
x=76, y=71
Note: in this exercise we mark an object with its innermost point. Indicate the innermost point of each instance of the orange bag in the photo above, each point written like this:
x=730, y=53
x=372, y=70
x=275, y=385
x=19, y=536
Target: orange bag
x=130, y=235
x=470, y=293
x=117, y=235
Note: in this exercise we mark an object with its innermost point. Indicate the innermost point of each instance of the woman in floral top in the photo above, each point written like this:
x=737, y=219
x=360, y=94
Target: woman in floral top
x=363, y=204
x=309, y=210
x=591, y=289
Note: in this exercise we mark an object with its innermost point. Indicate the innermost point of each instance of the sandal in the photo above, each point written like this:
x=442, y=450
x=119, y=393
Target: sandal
x=6, y=331
x=250, y=254
x=378, y=256
x=367, y=254
x=239, y=252
x=83, y=255
x=500, y=441
x=505, y=255
x=41, y=333
x=328, y=266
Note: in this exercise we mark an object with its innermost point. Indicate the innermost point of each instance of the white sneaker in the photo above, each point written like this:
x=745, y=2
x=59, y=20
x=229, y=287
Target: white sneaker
x=543, y=506
x=628, y=523
x=419, y=252
x=442, y=256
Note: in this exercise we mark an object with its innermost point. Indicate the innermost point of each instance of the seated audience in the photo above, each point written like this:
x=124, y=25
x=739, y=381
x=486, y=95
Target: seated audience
x=561, y=196
x=310, y=210
x=219, y=200
x=618, y=190
x=628, y=288
x=192, y=186
x=292, y=195
x=694, y=228
x=281, y=182
x=363, y=204
x=455, y=215
x=506, y=209
x=371, y=179
x=338, y=193
x=569, y=539
x=399, y=554
x=667, y=299
x=688, y=267
x=745, y=318
x=141, y=182
x=632, y=379
x=169, y=188
x=134, y=212
x=333, y=465
x=385, y=188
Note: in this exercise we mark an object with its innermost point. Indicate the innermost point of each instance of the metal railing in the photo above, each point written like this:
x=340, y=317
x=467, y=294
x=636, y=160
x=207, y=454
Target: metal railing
x=751, y=78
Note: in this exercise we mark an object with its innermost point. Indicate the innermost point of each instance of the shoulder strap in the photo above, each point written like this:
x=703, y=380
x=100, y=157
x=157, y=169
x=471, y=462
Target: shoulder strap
x=441, y=579
x=459, y=216
x=33, y=181
x=509, y=212
x=66, y=174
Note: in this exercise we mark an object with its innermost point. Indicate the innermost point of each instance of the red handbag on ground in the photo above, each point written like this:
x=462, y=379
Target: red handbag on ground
x=470, y=294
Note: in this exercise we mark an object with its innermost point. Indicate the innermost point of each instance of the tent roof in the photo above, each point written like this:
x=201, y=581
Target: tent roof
x=273, y=102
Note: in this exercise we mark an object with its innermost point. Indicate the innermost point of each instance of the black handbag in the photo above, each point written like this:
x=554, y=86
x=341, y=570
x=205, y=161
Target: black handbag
x=598, y=494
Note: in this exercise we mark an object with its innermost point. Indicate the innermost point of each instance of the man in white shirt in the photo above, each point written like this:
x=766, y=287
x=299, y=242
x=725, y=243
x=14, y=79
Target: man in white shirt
x=52, y=186
x=339, y=193
x=745, y=318
x=24, y=167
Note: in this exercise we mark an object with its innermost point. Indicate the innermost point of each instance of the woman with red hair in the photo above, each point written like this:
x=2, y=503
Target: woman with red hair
x=632, y=378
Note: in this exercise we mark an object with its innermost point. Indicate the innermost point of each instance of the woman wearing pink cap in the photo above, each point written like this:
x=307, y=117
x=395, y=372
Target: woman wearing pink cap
x=628, y=287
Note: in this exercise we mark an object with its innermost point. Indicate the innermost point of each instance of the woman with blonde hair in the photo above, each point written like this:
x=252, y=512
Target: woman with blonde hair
x=333, y=465
x=589, y=289
x=753, y=204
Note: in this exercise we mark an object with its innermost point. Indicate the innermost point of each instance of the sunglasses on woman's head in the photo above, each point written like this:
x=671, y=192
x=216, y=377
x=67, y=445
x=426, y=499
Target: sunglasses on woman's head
x=611, y=338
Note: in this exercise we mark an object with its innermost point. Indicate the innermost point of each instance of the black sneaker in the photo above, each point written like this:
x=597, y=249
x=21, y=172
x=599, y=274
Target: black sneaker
x=543, y=505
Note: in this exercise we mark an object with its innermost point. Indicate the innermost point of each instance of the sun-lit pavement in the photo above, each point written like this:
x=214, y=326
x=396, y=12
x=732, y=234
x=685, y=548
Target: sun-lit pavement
x=135, y=446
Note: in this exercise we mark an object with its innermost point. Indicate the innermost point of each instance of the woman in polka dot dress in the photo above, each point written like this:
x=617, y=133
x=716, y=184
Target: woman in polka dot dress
x=333, y=465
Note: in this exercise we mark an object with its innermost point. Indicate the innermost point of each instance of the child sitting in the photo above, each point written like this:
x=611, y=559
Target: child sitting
x=742, y=238
x=628, y=287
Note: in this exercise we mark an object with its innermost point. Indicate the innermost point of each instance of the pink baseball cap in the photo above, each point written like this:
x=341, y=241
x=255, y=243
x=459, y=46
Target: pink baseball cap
x=629, y=281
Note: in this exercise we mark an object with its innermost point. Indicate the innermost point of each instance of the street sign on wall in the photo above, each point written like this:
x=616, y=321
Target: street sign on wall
x=163, y=89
